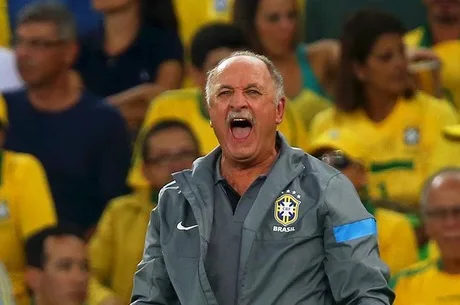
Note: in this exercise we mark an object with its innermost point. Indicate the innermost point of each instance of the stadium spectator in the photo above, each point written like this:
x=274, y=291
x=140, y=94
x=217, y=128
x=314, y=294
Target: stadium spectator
x=436, y=281
x=271, y=27
x=57, y=266
x=373, y=98
x=343, y=150
x=82, y=142
x=210, y=45
x=9, y=75
x=134, y=60
x=6, y=295
x=169, y=147
x=441, y=33
x=26, y=206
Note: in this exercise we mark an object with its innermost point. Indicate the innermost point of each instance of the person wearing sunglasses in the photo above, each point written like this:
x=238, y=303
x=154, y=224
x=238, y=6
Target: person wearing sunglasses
x=436, y=281
x=343, y=150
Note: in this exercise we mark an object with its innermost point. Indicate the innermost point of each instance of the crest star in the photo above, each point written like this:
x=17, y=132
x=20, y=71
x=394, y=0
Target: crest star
x=293, y=192
x=298, y=196
x=288, y=191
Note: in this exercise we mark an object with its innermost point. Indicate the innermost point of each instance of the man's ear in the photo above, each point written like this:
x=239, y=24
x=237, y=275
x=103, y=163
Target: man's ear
x=32, y=278
x=280, y=110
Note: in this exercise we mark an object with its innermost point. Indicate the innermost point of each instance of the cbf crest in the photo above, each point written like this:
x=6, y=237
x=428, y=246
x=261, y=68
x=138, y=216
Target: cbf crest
x=4, y=211
x=286, y=210
x=412, y=136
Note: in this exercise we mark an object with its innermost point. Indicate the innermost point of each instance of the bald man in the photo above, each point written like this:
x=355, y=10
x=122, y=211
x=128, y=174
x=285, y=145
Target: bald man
x=436, y=281
x=256, y=221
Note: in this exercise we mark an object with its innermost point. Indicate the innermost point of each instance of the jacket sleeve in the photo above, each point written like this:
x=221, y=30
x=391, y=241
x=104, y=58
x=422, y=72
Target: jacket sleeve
x=151, y=281
x=355, y=272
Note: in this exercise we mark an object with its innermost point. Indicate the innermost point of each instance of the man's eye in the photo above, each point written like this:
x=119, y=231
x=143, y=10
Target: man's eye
x=253, y=92
x=222, y=93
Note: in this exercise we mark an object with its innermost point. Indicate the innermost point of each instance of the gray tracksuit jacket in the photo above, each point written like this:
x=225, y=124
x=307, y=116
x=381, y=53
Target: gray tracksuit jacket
x=314, y=246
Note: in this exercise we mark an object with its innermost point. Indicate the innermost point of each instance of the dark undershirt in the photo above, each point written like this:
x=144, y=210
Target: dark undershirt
x=232, y=195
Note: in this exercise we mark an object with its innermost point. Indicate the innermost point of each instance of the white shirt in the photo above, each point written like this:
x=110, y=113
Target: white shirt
x=9, y=75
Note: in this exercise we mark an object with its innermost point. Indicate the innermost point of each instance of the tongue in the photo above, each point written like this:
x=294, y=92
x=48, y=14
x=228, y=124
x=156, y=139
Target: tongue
x=241, y=132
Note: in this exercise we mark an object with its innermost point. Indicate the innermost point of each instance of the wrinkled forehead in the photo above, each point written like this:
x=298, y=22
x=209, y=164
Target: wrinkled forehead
x=40, y=29
x=242, y=71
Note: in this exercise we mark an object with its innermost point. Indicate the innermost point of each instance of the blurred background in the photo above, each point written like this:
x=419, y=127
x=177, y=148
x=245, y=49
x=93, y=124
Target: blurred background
x=102, y=100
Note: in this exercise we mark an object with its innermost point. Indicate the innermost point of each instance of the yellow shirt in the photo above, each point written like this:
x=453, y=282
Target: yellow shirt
x=192, y=15
x=4, y=24
x=425, y=284
x=402, y=144
x=186, y=105
x=308, y=104
x=117, y=246
x=396, y=238
x=26, y=207
x=446, y=154
x=448, y=54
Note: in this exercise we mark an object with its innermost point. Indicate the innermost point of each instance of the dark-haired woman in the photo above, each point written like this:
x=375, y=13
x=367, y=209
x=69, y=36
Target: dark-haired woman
x=374, y=98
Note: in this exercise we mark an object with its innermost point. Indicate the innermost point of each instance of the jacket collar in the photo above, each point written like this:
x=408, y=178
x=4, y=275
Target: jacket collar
x=197, y=184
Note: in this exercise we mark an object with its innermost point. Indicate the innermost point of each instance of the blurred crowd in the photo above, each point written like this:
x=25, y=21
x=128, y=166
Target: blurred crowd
x=102, y=100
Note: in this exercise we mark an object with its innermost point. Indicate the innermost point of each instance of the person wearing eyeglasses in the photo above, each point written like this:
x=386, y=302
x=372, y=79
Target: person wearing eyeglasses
x=117, y=245
x=82, y=142
x=343, y=150
x=436, y=281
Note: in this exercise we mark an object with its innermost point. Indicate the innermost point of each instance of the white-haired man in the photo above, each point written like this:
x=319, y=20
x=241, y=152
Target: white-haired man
x=257, y=221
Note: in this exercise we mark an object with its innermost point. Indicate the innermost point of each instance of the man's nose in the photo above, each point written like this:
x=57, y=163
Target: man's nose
x=287, y=24
x=79, y=275
x=238, y=100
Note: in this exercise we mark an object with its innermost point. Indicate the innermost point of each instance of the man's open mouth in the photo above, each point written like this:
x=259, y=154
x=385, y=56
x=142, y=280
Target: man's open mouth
x=240, y=128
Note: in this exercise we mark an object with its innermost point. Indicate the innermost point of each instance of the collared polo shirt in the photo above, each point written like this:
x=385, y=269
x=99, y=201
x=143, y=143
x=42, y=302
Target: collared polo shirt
x=230, y=211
